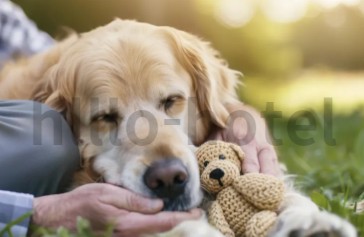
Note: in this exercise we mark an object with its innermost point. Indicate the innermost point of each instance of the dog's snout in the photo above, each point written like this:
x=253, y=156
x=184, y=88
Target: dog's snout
x=166, y=178
x=217, y=174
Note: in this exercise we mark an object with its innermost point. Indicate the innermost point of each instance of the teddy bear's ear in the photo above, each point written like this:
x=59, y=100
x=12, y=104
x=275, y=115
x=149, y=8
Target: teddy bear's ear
x=239, y=152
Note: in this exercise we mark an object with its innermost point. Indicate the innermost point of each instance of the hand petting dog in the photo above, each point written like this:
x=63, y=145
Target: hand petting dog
x=247, y=128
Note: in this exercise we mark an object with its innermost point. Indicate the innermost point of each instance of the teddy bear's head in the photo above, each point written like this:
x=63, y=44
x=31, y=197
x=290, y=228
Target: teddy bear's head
x=219, y=163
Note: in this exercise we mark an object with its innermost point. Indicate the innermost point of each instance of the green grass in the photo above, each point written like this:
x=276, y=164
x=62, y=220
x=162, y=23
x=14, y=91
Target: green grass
x=333, y=176
x=83, y=230
x=7, y=229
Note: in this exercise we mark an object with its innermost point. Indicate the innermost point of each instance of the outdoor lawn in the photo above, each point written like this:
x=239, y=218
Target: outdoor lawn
x=303, y=69
x=327, y=166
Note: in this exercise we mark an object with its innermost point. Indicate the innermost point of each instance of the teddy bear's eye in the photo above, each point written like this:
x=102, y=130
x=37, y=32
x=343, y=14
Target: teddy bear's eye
x=206, y=163
x=221, y=157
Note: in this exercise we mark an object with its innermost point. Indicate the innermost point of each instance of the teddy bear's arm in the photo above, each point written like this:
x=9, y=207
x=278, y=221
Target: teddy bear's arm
x=263, y=191
x=216, y=218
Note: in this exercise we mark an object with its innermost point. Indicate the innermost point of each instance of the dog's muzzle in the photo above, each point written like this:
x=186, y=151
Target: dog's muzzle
x=168, y=179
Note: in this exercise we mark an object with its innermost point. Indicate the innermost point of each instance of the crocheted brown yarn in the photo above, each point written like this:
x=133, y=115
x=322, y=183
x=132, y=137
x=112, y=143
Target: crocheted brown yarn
x=260, y=223
x=237, y=211
x=245, y=205
x=265, y=191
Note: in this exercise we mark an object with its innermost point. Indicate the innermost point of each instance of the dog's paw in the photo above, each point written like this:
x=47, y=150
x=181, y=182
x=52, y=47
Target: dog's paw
x=302, y=223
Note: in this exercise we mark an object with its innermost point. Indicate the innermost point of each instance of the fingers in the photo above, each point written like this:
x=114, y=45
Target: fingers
x=136, y=223
x=268, y=161
x=265, y=161
x=251, y=162
x=127, y=200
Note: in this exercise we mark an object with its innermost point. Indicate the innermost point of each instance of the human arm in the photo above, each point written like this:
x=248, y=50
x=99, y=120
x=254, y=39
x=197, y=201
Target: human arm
x=103, y=204
x=248, y=129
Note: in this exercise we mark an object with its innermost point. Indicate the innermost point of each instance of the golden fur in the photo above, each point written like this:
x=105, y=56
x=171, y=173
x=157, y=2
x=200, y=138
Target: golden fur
x=122, y=82
x=126, y=67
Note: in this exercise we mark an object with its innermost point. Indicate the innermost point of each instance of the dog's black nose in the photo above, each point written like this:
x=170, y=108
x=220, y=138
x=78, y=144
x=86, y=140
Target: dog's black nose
x=217, y=174
x=166, y=178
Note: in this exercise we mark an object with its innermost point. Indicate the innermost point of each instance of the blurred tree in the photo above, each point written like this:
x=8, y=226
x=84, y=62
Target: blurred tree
x=260, y=48
x=334, y=38
x=84, y=15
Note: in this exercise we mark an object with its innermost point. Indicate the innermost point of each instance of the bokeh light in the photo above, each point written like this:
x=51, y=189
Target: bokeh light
x=329, y=4
x=273, y=42
x=235, y=13
x=284, y=11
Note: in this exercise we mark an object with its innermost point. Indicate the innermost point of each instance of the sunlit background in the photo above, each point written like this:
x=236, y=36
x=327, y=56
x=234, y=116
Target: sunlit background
x=293, y=53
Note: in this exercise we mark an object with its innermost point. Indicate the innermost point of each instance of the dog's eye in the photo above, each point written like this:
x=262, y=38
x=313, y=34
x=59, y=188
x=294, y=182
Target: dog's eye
x=206, y=163
x=221, y=157
x=108, y=118
x=168, y=102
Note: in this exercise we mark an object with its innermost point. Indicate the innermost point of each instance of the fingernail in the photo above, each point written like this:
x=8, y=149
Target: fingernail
x=156, y=204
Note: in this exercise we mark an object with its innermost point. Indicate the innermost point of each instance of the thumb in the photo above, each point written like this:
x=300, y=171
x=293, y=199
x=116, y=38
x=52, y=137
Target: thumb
x=129, y=201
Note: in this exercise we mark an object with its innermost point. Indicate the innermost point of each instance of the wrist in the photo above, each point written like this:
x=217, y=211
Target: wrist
x=45, y=211
x=39, y=211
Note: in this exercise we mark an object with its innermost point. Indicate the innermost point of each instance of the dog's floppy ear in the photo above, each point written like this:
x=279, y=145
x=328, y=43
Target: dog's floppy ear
x=214, y=83
x=54, y=92
x=55, y=88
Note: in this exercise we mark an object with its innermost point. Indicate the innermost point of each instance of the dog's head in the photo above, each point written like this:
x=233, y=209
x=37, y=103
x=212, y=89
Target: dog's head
x=137, y=96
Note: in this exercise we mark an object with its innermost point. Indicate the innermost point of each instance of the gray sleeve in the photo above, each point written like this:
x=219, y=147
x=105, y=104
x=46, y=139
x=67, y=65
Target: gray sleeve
x=38, y=154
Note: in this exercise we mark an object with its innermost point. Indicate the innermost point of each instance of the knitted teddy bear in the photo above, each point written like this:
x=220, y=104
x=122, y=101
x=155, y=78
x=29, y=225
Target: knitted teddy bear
x=245, y=204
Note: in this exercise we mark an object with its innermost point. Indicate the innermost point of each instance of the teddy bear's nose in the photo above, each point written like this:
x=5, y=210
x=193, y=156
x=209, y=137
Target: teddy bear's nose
x=217, y=174
x=166, y=178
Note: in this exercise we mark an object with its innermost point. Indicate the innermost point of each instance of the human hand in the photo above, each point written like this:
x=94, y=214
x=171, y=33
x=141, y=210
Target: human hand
x=103, y=204
x=248, y=129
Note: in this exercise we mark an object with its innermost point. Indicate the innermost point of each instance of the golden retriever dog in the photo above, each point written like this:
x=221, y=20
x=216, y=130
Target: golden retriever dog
x=138, y=98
